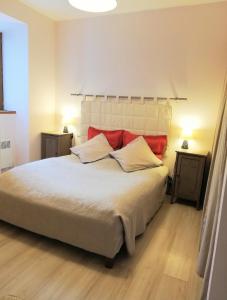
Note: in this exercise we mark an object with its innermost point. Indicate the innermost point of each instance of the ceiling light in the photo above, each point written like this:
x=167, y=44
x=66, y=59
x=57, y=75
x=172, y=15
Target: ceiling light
x=94, y=5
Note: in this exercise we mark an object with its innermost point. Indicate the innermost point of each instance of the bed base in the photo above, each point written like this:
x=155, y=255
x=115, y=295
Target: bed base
x=109, y=262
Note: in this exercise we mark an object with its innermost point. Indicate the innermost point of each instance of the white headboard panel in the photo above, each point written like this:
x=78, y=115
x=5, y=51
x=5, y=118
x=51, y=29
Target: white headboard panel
x=138, y=117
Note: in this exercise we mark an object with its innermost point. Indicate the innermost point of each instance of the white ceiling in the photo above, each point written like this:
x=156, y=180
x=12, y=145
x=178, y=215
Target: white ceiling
x=61, y=10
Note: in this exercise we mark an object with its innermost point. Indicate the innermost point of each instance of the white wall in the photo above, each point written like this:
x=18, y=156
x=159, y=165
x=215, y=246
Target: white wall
x=15, y=78
x=169, y=52
x=41, y=72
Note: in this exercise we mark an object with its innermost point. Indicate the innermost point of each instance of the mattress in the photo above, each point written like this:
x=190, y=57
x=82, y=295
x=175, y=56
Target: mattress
x=96, y=206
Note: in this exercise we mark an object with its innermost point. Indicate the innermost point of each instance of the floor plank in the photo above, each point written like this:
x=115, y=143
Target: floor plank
x=163, y=267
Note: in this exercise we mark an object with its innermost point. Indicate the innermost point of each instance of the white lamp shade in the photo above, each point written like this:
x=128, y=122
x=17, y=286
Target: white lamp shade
x=94, y=5
x=187, y=132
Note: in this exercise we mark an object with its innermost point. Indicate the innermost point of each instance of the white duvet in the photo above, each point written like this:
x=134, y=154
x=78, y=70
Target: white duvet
x=95, y=206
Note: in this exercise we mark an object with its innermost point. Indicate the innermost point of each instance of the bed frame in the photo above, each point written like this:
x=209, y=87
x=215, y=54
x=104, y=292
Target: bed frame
x=141, y=115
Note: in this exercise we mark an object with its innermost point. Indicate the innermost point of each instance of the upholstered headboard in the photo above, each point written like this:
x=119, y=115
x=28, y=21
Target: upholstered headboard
x=143, y=117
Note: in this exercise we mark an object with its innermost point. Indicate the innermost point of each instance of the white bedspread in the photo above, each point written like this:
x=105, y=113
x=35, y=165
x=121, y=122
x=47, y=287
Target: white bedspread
x=92, y=206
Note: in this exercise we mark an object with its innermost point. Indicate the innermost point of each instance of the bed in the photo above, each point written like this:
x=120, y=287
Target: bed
x=97, y=207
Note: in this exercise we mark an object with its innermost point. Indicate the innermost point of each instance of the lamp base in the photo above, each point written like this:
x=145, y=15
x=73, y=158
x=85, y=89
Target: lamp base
x=184, y=145
x=65, y=130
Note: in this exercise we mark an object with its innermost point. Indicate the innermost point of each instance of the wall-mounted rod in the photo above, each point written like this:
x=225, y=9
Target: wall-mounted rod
x=131, y=97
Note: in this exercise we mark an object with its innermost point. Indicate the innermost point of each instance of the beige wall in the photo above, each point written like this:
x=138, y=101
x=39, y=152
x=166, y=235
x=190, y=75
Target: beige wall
x=171, y=52
x=41, y=42
x=178, y=51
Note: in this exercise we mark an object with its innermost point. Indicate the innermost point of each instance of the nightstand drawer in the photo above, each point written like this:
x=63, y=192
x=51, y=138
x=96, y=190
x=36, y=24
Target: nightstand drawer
x=56, y=144
x=50, y=147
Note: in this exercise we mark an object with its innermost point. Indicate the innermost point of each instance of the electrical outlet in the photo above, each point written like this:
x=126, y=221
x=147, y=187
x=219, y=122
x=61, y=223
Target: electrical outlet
x=5, y=145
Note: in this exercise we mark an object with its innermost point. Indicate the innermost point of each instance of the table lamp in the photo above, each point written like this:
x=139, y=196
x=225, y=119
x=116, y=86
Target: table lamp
x=186, y=134
x=68, y=121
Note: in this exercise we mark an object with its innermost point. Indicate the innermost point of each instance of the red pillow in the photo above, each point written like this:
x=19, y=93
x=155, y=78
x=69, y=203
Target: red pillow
x=157, y=143
x=114, y=137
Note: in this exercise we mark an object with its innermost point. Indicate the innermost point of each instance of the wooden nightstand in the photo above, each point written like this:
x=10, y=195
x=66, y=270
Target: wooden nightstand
x=189, y=177
x=55, y=144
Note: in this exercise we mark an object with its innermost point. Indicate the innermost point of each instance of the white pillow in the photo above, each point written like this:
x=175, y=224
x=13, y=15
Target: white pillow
x=137, y=155
x=94, y=149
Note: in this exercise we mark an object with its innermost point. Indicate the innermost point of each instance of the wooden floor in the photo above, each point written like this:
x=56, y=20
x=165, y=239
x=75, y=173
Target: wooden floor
x=163, y=267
